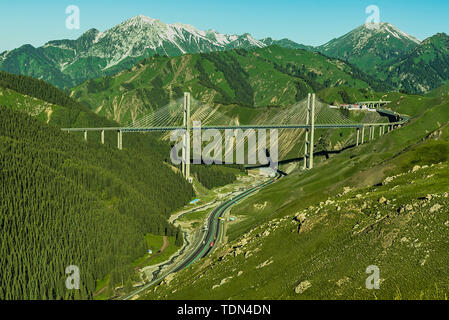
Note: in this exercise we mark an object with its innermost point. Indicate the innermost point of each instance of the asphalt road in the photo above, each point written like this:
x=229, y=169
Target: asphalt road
x=213, y=226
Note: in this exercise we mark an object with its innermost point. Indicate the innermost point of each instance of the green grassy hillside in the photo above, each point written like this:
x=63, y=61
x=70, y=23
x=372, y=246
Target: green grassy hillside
x=48, y=103
x=423, y=69
x=272, y=76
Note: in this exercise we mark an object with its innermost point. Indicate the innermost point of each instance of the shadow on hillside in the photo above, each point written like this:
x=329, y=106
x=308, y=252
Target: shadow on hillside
x=324, y=153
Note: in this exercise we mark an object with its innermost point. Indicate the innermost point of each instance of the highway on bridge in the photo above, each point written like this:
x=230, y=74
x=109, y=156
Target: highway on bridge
x=211, y=235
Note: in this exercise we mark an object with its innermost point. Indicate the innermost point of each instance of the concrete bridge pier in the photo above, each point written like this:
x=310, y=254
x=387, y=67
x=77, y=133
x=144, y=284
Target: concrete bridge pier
x=186, y=138
x=363, y=134
x=312, y=132
x=85, y=135
x=119, y=140
x=102, y=136
x=309, y=144
x=358, y=137
x=306, y=148
x=306, y=140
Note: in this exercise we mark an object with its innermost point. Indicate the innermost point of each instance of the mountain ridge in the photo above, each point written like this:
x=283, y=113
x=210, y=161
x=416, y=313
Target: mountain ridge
x=270, y=76
x=67, y=63
x=369, y=48
x=424, y=68
x=380, y=52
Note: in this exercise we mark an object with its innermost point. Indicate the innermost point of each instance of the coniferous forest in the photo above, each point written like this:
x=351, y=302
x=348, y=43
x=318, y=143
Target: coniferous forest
x=216, y=175
x=64, y=201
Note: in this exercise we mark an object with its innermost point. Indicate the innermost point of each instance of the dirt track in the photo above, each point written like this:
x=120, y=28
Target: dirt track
x=165, y=244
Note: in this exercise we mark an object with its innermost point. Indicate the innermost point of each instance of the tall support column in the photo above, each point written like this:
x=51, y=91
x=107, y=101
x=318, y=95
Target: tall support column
x=363, y=134
x=184, y=142
x=119, y=139
x=183, y=156
x=380, y=131
x=358, y=137
x=85, y=135
x=102, y=136
x=312, y=131
x=187, y=134
x=306, y=141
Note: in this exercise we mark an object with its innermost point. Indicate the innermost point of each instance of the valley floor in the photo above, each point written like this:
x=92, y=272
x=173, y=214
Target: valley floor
x=191, y=219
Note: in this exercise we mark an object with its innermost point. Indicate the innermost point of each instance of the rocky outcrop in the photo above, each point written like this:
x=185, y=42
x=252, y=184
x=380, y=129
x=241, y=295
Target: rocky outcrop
x=303, y=286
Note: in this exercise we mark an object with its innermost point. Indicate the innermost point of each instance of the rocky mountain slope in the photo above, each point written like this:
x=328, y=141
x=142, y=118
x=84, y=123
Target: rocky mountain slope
x=370, y=48
x=66, y=63
x=386, y=53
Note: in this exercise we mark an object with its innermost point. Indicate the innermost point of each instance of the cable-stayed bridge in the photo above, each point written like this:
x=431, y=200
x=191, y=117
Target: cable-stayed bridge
x=309, y=114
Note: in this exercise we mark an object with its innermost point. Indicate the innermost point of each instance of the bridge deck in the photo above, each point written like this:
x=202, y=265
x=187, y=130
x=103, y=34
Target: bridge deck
x=401, y=120
x=244, y=127
x=376, y=102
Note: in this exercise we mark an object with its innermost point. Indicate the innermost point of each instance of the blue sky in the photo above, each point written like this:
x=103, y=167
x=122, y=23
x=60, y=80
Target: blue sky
x=310, y=22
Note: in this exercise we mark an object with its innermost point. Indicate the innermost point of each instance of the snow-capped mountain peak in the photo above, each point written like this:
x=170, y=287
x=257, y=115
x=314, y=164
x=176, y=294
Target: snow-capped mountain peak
x=140, y=19
x=139, y=35
x=389, y=30
x=369, y=46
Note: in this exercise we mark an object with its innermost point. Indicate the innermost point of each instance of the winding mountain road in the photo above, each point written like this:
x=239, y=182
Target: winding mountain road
x=211, y=235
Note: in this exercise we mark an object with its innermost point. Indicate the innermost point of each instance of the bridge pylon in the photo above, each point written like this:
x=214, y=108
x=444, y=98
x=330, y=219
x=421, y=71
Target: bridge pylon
x=186, y=138
x=309, y=144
